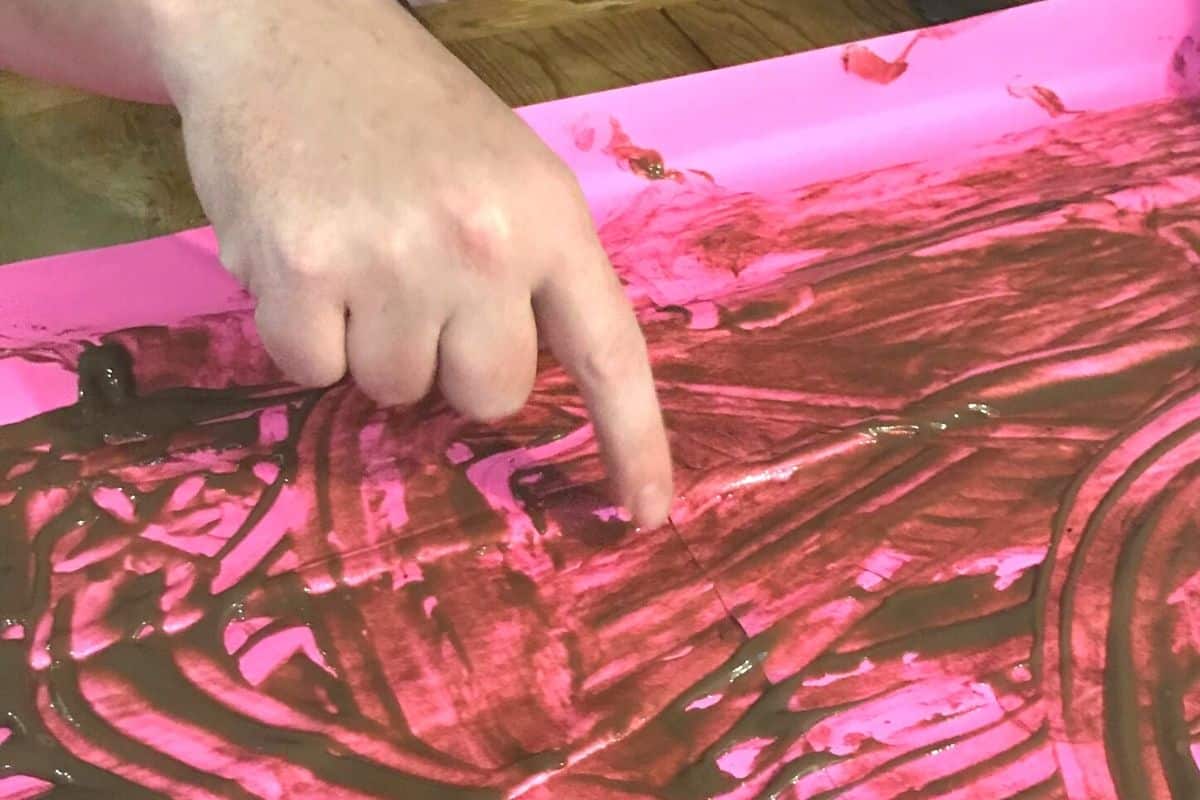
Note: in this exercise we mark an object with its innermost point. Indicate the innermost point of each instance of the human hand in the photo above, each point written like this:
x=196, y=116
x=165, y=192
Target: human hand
x=393, y=218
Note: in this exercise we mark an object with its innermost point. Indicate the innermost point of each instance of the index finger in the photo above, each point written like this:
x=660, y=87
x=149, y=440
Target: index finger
x=589, y=324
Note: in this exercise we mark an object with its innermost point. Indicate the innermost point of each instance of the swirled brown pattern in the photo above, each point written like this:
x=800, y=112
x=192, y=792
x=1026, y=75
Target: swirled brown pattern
x=937, y=431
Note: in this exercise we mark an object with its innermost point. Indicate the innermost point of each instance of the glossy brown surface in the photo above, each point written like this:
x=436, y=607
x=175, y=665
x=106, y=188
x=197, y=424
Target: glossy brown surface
x=936, y=431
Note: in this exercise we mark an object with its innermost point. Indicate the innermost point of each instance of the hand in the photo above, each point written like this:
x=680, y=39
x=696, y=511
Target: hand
x=394, y=218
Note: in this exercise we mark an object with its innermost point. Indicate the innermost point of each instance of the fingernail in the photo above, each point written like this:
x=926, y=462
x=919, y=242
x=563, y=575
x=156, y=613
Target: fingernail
x=650, y=509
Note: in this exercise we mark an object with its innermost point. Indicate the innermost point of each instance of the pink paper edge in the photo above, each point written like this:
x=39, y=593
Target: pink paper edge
x=770, y=124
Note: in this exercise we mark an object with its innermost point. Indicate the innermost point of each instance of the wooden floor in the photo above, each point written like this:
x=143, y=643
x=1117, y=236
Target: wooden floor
x=79, y=171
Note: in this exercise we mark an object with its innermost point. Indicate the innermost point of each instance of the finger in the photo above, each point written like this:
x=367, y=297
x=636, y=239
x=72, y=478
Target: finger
x=305, y=333
x=487, y=357
x=590, y=326
x=392, y=348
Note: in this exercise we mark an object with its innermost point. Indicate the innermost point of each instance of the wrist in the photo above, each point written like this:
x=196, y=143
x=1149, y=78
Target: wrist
x=195, y=40
x=200, y=40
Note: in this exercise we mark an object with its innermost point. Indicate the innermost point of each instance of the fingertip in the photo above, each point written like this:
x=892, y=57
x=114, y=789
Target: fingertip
x=653, y=504
x=386, y=393
x=647, y=471
x=593, y=330
x=313, y=363
x=393, y=367
x=487, y=359
x=312, y=354
x=484, y=406
x=391, y=346
x=316, y=375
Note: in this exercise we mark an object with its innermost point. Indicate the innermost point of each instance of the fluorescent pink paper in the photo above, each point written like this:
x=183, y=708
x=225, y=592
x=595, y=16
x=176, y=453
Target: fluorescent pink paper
x=925, y=317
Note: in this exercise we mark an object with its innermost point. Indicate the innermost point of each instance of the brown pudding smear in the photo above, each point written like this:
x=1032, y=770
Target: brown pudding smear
x=937, y=432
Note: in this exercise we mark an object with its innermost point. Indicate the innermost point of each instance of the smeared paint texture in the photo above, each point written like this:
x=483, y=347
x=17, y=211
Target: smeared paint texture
x=643, y=162
x=861, y=60
x=938, y=448
x=1046, y=99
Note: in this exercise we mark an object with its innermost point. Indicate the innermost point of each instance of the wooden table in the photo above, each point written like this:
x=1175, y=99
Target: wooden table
x=79, y=171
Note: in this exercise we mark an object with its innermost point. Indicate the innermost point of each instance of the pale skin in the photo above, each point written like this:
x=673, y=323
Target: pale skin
x=391, y=216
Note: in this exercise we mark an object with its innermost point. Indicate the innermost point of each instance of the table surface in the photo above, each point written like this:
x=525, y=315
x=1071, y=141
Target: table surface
x=78, y=171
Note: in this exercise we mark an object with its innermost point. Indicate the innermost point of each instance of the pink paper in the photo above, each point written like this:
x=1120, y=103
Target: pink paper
x=925, y=318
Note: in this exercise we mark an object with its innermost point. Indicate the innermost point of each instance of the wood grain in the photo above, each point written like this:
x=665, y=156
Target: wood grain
x=91, y=172
x=749, y=30
x=461, y=20
x=582, y=56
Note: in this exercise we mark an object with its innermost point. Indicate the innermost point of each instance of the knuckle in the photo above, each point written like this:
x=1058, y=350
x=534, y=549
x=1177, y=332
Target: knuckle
x=387, y=391
x=321, y=375
x=487, y=391
x=399, y=245
x=307, y=369
x=562, y=179
x=563, y=185
x=302, y=361
x=390, y=377
x=309, y=256
x=573, y=215
x=483, y=229
x=494, y=405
